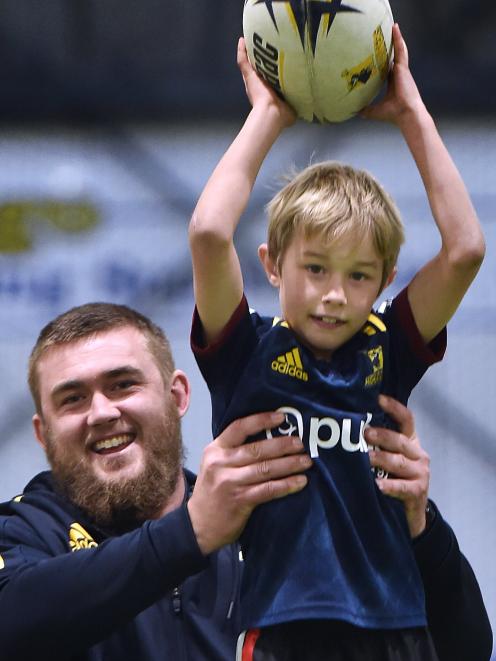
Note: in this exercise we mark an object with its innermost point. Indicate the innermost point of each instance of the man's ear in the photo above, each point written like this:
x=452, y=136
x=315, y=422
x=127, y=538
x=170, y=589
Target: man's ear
x=181, y=391
x=39, y=430
x=269, y=266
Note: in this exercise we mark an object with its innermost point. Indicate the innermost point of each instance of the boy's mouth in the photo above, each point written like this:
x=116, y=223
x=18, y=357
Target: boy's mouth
x=328, y=321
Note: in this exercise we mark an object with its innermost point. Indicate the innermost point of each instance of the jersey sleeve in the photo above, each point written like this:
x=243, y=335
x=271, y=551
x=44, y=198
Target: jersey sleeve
x=456, y=613
x=222, y=362
x=429, y=353
x=410, y=356
x=53, y=600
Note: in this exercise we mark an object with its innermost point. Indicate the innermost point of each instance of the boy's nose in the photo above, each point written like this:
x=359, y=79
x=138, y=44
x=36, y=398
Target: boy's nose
x=335, y=293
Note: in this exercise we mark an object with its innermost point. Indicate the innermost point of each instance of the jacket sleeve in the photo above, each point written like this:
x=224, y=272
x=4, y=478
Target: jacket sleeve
x=50, y=601
x=456, y=613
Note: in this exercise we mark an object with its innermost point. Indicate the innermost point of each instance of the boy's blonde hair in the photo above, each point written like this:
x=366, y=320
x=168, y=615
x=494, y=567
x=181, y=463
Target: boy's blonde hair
x=335, y=200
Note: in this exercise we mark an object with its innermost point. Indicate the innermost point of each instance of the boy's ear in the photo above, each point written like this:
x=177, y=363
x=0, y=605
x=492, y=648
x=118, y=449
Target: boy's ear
x=390, y=277
x=269, y=266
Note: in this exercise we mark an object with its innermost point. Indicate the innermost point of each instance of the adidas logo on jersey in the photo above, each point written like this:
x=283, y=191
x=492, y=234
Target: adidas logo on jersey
x=290, y=364
x=79, y=538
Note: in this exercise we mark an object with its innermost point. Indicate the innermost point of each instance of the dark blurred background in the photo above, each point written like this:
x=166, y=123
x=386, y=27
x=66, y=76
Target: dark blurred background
x=175, y=59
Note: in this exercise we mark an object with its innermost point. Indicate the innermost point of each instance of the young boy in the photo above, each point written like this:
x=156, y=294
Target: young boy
x=329, y=572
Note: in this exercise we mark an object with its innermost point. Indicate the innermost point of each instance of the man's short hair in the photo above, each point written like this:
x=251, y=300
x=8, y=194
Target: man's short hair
x=333, y=200
x=86, y=320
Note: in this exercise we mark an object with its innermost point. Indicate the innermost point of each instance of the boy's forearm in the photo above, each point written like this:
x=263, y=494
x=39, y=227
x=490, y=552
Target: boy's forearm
x=436, y=290
x=217, y=277
x=227, y=192
x=451, y=206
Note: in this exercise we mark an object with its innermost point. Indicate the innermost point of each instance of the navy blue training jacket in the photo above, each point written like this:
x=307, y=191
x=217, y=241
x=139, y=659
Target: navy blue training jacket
x=69, y=590
x=72, y=592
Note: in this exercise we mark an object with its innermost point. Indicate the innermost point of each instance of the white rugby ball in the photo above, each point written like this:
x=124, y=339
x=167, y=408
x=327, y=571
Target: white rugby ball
x=328, y=59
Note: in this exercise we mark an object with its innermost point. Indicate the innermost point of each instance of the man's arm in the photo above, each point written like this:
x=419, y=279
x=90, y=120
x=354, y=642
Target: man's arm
x=218, y=282
x=438, y=288
x=456, y=614
x=57, y=605
x=69, y=602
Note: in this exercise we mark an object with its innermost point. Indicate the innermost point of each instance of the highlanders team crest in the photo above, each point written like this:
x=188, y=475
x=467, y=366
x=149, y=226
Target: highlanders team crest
x=377, y=363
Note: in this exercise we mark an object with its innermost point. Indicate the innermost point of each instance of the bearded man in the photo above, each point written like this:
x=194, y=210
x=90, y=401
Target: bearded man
x=108, y=414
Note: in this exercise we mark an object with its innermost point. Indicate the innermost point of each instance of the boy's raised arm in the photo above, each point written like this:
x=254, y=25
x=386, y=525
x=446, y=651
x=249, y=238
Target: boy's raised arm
x=438, y=288
x=217, y=278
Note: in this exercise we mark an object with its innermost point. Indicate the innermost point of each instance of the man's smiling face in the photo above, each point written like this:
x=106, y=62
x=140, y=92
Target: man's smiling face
x=107, y=417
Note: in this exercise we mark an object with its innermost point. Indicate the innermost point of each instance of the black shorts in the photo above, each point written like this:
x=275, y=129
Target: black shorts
x=329, y=640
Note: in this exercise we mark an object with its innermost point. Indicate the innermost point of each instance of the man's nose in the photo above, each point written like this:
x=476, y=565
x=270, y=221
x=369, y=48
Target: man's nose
x=102, y=410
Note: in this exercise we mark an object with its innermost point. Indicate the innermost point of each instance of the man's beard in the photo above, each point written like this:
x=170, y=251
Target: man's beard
x=120, y=504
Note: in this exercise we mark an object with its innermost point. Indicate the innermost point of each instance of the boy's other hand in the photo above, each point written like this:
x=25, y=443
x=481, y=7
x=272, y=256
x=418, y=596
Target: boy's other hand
x=402, y=98
x=260, y=92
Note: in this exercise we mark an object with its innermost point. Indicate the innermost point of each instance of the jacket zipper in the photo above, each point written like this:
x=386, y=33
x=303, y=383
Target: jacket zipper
x=177, y=606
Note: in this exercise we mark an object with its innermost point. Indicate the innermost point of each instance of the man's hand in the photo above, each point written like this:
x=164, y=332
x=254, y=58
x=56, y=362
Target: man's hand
x=407, y=463
x=235, y=477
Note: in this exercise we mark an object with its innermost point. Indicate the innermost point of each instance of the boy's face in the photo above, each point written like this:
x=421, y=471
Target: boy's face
x=327, y=291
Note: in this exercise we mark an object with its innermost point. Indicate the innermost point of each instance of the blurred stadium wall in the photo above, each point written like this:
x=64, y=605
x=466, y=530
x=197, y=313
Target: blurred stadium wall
x=112, y=116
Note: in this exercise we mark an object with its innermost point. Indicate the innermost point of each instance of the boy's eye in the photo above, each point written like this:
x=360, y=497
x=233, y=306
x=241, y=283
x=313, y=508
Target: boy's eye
x=315, y=268
x=358, y=276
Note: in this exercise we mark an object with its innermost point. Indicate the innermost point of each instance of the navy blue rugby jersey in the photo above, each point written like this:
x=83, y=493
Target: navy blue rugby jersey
x=339, y=549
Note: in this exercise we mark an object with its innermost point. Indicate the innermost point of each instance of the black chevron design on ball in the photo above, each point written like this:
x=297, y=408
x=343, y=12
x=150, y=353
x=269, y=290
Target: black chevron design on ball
x=308, y=15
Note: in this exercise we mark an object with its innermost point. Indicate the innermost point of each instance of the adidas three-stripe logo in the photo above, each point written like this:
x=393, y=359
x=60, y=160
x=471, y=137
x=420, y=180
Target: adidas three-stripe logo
x=290, y=364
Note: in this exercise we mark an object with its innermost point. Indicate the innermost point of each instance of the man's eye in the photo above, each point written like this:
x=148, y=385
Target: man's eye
x=71, y=399
x=124, y=385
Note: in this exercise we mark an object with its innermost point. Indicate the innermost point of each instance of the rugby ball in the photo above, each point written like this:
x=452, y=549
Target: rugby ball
x=327, y=58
